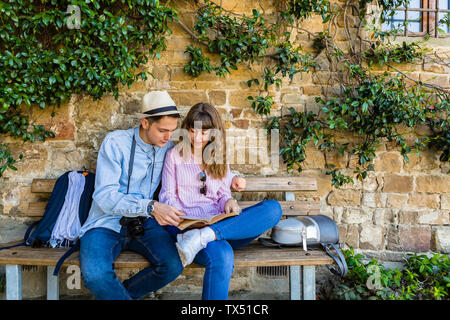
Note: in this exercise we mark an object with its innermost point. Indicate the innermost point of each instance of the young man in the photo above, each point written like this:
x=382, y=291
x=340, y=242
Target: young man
x=124, y=215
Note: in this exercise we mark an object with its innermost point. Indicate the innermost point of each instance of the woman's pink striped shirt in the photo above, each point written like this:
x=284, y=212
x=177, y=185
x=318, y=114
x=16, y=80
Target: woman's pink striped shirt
x=181, y=187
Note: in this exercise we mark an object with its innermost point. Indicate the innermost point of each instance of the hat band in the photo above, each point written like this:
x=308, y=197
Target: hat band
x=159, y=110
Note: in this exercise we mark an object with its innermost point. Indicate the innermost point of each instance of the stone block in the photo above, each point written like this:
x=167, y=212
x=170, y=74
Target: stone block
x=374, y=200
x=408, y=217
x=61, y=124
x=291, y=98
x=445, y=201
x=426, y=161
x=188, y=98
x=437, y=79
x=334, y=158
x=239, y=98
x=383, y=216
x=423, y=201
x=396, y=200
x=344, y=198
x=314, y=159
x=397, y=183
x=33, y=163
x=356, y=216
x=441, y=239
x=373, y=182
x=349, y=234
x=98, y=115
x=409, y=238
x=433, y=184
x=217, y=97
x=433, y=67
x=388, y=162
x=241, y=124
x=433, y=217
x=371, y=237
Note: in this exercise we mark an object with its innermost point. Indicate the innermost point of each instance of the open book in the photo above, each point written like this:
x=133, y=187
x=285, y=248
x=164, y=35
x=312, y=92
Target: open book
x=197, y=222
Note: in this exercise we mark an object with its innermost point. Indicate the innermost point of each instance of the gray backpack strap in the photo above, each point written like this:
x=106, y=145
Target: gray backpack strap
x=340, y=259
x=130, y=165
x=269, y=243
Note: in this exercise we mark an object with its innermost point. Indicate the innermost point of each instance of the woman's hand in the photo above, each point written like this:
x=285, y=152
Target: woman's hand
x=238, y=183
x=167, y=215
x=232, y=206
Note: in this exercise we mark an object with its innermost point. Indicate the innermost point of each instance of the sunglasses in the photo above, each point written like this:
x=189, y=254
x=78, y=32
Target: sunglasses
x=202, y=177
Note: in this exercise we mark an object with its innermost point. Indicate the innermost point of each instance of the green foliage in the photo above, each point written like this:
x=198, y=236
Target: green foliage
x=403, y=53
x=236, y=40
x=301, y=9
x=43, y=61
x=6, y=159
x=372, y=107
x=421, y=278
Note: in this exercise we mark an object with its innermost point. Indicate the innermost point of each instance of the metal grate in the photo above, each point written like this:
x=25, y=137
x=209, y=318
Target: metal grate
x=272, y=272
x=30, y=268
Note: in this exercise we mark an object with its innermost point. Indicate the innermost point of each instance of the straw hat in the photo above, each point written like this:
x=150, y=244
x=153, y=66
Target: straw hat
x=157, y=103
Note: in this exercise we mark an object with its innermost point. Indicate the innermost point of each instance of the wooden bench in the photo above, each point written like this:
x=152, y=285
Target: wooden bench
x=301, y=265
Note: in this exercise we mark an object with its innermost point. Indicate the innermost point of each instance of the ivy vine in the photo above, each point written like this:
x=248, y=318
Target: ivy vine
x=43, y=62
x=373, y=107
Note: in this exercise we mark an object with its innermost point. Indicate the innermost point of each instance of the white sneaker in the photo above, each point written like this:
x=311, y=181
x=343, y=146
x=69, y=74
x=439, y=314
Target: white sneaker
x=191, y=242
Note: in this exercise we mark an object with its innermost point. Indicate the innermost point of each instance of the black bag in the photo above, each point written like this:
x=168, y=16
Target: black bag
x=41, y=235
x=315, y=231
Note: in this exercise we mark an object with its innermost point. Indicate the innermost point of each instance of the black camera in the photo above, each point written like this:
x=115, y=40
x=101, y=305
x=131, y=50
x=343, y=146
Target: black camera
x=134, y=226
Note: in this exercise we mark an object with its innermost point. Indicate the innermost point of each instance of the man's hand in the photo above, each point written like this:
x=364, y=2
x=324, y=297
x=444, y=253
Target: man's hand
x=167, y=215
x=232, y=206
x=238, y=183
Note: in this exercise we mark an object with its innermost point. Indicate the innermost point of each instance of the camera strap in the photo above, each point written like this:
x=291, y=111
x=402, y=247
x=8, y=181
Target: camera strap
x=130, y=165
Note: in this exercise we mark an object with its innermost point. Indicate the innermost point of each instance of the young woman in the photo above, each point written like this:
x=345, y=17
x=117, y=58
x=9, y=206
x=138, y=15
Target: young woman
x=196, y=180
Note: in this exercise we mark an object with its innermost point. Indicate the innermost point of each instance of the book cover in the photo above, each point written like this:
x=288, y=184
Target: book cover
x=197, y=222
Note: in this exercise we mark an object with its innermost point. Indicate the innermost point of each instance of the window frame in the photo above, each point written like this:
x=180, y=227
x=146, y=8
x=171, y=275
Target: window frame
x=430, y=11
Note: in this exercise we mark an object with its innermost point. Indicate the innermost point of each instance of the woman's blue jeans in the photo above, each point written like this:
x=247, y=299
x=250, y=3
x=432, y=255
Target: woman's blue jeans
x=100, y=247
x=231, y=233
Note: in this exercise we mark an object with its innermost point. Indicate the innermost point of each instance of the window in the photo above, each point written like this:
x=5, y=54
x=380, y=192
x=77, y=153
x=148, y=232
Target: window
x=420, y=17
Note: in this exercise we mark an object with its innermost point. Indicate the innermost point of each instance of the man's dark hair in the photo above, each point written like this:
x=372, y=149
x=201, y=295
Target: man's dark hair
x=157, y=118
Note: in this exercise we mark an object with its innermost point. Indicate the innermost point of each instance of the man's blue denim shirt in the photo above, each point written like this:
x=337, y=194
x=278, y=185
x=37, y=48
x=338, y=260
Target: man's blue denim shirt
x=110, y=199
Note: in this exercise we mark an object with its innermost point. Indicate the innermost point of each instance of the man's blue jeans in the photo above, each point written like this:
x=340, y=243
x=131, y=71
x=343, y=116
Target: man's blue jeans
x=231, y=233
x=100, y=247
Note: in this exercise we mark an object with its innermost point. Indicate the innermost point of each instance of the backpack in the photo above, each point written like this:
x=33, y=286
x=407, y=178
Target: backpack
x=313, y=232
x=43, y=228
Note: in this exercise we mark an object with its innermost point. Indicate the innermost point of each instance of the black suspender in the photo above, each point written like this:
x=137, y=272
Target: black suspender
x=130, y=165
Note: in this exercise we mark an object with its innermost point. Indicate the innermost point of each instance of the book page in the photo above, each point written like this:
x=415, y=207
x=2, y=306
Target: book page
x=207, y=218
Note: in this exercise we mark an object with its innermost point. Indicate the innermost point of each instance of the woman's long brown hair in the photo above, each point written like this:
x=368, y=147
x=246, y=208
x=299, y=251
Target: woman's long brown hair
x=210, y=119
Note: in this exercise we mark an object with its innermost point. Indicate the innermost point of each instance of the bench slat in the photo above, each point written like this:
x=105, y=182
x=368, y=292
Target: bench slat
x=251, y=255
x=290, y=208
x=254, y=184
x=281, y=184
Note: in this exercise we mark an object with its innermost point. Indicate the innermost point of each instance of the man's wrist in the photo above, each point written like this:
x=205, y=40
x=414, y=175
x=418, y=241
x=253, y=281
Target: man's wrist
x=150, y=207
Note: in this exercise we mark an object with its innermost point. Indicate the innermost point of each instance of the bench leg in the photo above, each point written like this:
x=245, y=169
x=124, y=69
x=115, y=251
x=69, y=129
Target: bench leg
x=52, y=284
x=294, y=283
x=309, y=283
x=13, y=282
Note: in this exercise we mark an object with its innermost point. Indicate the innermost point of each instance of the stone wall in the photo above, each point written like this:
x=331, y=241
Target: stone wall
x=401, y=207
